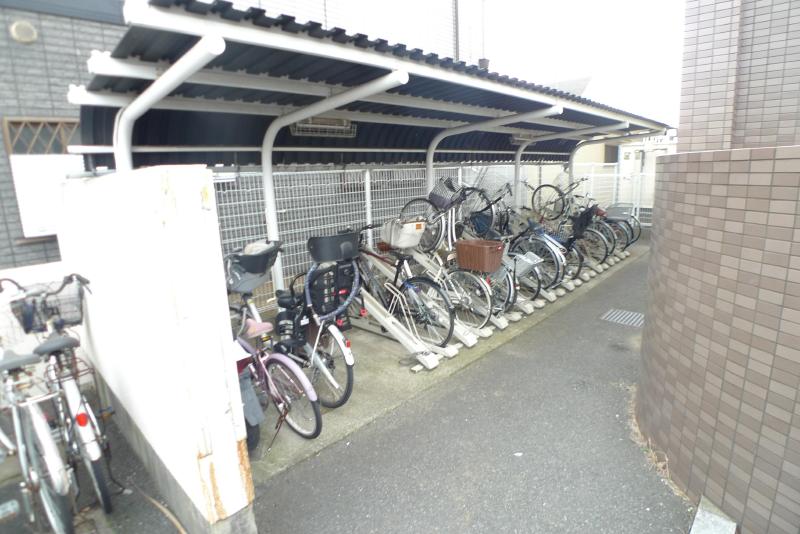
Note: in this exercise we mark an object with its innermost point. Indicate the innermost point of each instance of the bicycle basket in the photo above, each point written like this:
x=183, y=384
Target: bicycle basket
x=65, y=306
x=619, y=211
x=337, y=247
x=444, y=194
x=402, y=234
x=479, y=255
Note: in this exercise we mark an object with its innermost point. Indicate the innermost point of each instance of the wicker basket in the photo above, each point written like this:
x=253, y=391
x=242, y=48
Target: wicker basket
x=479, y=255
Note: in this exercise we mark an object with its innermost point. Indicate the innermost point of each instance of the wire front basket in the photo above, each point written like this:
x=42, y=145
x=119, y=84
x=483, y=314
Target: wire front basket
x=66, y=307
x=444, y=194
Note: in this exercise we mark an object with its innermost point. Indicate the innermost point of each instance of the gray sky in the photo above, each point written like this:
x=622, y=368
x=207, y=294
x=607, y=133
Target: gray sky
x=632, y=49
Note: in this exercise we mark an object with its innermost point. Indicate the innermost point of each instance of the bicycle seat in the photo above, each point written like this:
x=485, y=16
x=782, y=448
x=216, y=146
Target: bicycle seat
x=12, y=360
x=56, y=343
x=400, y=255
x=288, y=301
x=254, y=329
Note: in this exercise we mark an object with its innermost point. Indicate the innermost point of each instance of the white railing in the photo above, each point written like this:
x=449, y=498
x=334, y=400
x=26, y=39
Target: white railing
x=320, y=202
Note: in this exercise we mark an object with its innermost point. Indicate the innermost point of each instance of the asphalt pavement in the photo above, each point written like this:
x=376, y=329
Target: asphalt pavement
x=533, y=437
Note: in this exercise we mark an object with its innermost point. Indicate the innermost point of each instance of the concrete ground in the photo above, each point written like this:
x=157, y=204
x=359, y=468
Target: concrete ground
x=531, y=438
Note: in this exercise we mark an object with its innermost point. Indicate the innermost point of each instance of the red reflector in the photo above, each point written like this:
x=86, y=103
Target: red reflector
x=347, y=343
x=363, y=312
x=82, y=419
x=343, y=292
x=339, y=322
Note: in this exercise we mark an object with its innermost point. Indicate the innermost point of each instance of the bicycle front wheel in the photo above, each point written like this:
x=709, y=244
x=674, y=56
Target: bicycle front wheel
x=608, y=233
x=331, y=351
x=504, y=292
x=430, y=309
x=620, y=234
x=470, y=296
x=550, y=270
x=293, y=399
x=45, y=460
x=548, y=201
x=423, y=209
x=574, y=263
x=637, y=228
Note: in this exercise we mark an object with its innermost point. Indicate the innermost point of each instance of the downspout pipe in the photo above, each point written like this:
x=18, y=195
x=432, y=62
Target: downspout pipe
x=206, y=49
x=379, y=85
x=482, y=125
x=560, y=135
x=615, y=139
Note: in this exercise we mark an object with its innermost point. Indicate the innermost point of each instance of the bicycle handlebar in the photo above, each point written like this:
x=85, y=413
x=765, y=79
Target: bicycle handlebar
x=70, y=278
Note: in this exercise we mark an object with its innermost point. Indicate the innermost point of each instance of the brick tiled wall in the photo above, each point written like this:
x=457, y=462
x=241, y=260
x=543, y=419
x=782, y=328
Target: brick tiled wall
x=34, y=79
x=721, y=345
x=741, y=74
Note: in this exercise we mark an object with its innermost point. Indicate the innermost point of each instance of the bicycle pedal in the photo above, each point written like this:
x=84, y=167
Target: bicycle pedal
x=9, y=510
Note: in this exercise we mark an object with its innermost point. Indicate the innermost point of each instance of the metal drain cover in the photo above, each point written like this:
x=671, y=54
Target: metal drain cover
x=624, y=317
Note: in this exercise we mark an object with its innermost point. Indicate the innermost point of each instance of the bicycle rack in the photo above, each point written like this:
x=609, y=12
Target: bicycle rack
x=396, y=330
x=463, y=333
x=467, y=335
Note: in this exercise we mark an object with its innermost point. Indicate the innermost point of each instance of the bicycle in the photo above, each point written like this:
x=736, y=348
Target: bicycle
x=309, y=324
x=42, y=310
x=417, y=300
x=275, y=376
x=45, y=475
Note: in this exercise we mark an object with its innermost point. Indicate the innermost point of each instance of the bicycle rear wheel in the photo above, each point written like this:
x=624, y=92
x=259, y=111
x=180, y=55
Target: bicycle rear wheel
x=548, y=201
x=302, y=414
x=45, y=460
x=637, y=228
x=620, y=234
x=331, y=350
x=504, y=291
x=551, y=269
x=574, y=263
x=470, y=296
x=423, y=209
x=430, y=310
x=593, y=245
x=608, y=233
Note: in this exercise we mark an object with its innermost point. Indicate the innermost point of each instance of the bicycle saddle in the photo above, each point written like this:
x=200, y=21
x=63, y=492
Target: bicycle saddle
x=400, y=255
x=56, y=343
x=254, y=329
x=12, y=360
x=288, y=301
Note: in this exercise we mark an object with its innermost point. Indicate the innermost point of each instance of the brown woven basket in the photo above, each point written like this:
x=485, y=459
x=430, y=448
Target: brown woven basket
x=479, y=255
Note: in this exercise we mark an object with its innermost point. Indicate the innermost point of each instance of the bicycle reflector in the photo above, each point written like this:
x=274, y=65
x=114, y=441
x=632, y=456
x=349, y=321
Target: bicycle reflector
x=339, y=322
x=82, y=419
x=362, y=312
x=347, y=343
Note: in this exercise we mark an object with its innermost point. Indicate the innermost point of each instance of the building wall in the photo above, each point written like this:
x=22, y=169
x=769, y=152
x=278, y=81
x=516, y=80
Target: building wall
x=34, y=79
x=721, y=345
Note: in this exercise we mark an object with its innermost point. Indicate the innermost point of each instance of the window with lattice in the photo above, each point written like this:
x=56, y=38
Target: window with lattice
x=39, y=136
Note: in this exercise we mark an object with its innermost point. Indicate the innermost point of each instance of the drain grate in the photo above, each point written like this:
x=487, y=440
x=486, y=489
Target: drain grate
x=624, y=317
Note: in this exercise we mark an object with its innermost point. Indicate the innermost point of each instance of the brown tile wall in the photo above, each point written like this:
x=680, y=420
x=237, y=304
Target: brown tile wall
x=741, y=74
x=721, y=344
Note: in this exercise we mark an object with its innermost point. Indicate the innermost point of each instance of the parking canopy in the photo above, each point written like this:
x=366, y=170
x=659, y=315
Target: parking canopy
x=272, y=65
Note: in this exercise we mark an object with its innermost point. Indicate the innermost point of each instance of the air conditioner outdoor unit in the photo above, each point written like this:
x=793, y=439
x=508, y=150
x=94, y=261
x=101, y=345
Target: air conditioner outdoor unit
x=323, y=127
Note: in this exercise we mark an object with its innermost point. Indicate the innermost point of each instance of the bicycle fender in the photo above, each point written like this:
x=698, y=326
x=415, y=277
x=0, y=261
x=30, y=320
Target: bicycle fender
x=337, y=334
x=301, y=376
x=77, y=405
x=253, y=412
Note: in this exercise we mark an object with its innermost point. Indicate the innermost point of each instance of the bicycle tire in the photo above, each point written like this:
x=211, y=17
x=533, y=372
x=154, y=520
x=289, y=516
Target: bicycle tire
x=472, y=298
x=607, y=232
x=417, y=208
x=295, y=398
x=530, y=285
x=253, y=435
x=98, y=478
x=593, y=245
x=551, y=269
x=39, y=441
x=548, y=201
x=504, y=292
x=437, y=321
x=574, y=263
x=637, y=228
x=342, y=372
x=620, y=234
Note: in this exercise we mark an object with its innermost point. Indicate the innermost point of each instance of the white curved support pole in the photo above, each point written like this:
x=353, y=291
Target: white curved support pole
x=482, y=125
x=206, y=49
x=379, y=85
x=518, y=202
x=615, y=139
